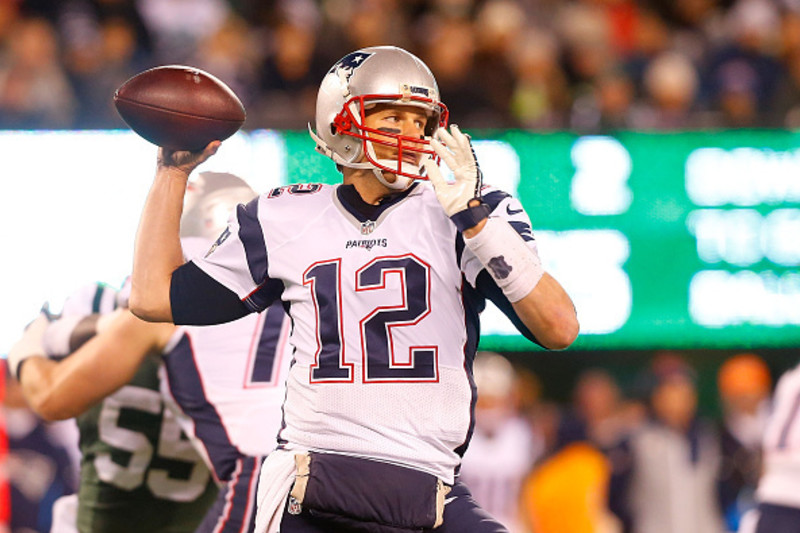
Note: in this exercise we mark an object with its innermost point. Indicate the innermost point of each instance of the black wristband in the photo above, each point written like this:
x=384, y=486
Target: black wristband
x=469, y=217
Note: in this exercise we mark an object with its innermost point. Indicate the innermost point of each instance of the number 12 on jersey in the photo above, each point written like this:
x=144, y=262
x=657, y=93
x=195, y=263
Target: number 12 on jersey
x=377, y=347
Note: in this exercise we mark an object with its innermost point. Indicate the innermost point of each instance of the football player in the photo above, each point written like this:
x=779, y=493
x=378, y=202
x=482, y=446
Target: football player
x=384, y=277
x=223, y=384
x=777, y=493
x=504, y=446
x=138, y=470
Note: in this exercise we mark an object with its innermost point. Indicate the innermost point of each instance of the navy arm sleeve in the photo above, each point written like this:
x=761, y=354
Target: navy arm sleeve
x=197, y=299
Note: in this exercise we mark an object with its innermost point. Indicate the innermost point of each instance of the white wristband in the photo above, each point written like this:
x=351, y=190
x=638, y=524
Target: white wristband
x=58, y=334
x=29, y=345
x=513, y=265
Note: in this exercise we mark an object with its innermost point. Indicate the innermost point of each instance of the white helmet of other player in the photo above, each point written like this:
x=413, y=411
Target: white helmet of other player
x=494, y=377
x=209, y=202
x=357, y=82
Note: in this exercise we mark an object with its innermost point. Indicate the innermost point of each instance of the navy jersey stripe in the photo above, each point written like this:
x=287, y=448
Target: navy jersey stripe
x=234, y=510
x=186, y=387
x=494, y=198
x=460, y=245
x=252, y=238
x=198, y=299
x=473, y=305
x=265, y=295
x=268, y=344
x=244, y=496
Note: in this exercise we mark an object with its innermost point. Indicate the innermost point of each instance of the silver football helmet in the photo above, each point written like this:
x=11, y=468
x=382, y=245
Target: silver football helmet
x=361, y=79
x=209, y=201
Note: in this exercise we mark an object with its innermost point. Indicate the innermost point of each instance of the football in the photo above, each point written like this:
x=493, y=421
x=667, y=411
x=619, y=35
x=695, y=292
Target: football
x=179, y=107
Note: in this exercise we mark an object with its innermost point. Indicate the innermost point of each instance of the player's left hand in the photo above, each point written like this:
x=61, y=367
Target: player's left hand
x=455, y=149
x=29, y=345
x=461, y=198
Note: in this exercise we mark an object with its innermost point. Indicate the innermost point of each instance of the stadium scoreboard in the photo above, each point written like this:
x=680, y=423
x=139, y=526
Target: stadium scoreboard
x=663, y=240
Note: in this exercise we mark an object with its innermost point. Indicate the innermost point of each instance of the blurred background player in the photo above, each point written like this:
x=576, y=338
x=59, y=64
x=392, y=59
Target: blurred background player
x=139, y=472
x=37, y=467
x=223, y=383
x=599, y=417
x=674, y=457
x=504, y=447
x=568, y=493
x=745, y=387
x=778, y=493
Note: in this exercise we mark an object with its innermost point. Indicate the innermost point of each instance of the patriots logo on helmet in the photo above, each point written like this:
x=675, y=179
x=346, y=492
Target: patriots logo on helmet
x=345, y=67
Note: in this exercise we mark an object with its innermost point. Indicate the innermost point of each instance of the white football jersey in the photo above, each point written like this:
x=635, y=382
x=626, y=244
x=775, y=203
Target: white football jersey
x=780, y=480
x=227, y=384
x=383, y=331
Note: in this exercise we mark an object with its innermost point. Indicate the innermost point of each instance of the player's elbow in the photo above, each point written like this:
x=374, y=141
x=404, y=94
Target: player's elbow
x=560, y=333
x=148, y=308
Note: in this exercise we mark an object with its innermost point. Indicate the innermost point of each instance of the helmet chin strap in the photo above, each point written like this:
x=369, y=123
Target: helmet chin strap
x=400, y=183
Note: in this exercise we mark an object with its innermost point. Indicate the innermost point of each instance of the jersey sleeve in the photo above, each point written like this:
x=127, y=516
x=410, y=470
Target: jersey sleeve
x=236, y=261
x=238, y=258
x=504, y=206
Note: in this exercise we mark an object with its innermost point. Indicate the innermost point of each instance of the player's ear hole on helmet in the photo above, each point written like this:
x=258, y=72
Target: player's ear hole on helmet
x=431, y=125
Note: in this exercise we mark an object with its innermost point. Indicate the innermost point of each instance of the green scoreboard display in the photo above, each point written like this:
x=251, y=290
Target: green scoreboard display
x=663, y=240
x=678, y=240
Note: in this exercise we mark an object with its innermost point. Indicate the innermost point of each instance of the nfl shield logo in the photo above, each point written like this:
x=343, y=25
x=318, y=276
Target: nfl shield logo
x=367, y=227
x=294, y=506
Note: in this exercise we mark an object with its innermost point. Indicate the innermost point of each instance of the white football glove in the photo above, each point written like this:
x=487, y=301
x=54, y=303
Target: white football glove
x=29, y=345
x=455, y=149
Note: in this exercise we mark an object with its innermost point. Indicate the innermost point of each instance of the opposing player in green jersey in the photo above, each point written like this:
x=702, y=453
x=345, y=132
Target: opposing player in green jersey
x=139, y=471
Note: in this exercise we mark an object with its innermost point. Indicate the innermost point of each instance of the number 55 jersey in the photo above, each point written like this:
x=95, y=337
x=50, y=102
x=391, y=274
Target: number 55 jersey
x=384, y=316
x=134, y=458
x=139, y=471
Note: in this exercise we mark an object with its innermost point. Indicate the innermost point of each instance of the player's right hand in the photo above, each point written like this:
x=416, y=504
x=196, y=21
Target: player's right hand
x=185, y=161
x=29, y=345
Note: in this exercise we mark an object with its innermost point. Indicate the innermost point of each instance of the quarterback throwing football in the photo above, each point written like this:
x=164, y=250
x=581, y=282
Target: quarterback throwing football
x=384, y=277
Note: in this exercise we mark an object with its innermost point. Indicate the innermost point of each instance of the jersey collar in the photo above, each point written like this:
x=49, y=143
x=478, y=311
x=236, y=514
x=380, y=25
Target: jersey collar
x=350, y=199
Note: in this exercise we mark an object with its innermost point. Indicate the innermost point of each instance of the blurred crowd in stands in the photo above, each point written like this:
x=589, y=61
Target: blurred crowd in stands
x=635, y=459
x=585, y=65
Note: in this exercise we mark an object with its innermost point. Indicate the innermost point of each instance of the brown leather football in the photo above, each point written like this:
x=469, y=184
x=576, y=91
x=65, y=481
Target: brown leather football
x=179, y=107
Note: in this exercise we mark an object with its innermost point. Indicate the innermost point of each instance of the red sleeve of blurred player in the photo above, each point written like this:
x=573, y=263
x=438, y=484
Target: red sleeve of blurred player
x=5, y=495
